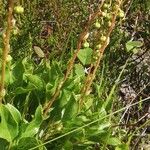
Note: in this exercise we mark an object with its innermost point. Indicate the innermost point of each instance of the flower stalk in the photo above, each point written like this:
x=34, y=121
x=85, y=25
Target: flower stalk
x=6, y=47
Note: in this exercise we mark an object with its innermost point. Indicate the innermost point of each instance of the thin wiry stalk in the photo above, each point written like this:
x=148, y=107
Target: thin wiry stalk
x=91, y=74
x=6, y=39
x=72, y=60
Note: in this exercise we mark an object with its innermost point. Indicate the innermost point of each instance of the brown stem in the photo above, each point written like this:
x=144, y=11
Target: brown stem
x=71, y=62
x=91, y=74
x=6, y=39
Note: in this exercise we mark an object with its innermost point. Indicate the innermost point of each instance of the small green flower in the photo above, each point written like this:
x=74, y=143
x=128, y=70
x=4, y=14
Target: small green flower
x=19, y=9
x=3, y=93
x=9, y=58
x=86, y=44
x=98, y=46
x=121, y=13
x=97, y=25
x=103, y=38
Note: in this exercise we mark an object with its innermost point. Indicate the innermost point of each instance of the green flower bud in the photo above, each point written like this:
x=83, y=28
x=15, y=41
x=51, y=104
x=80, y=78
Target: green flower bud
x=104, y=14
x=121, y=13
x=103, y=38
x=109, y=23
x=97, y=53
x=86, y=44
x=108, y=16
x=9, y=58
x=19, y=9
x=3, y=93
x=105, y=6
x=97, y=25
x=15, y=31
x=98, y=46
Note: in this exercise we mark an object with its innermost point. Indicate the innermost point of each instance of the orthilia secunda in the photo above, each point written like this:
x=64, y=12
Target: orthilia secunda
x=19, y=9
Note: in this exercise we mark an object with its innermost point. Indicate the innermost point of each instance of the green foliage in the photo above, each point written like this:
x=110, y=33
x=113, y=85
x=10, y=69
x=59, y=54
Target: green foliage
x=14, y=128
x=85, y=56
x=10, y=120
x=26, y=143
x=33, y=127
x=133, y=46
x=71, y=109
